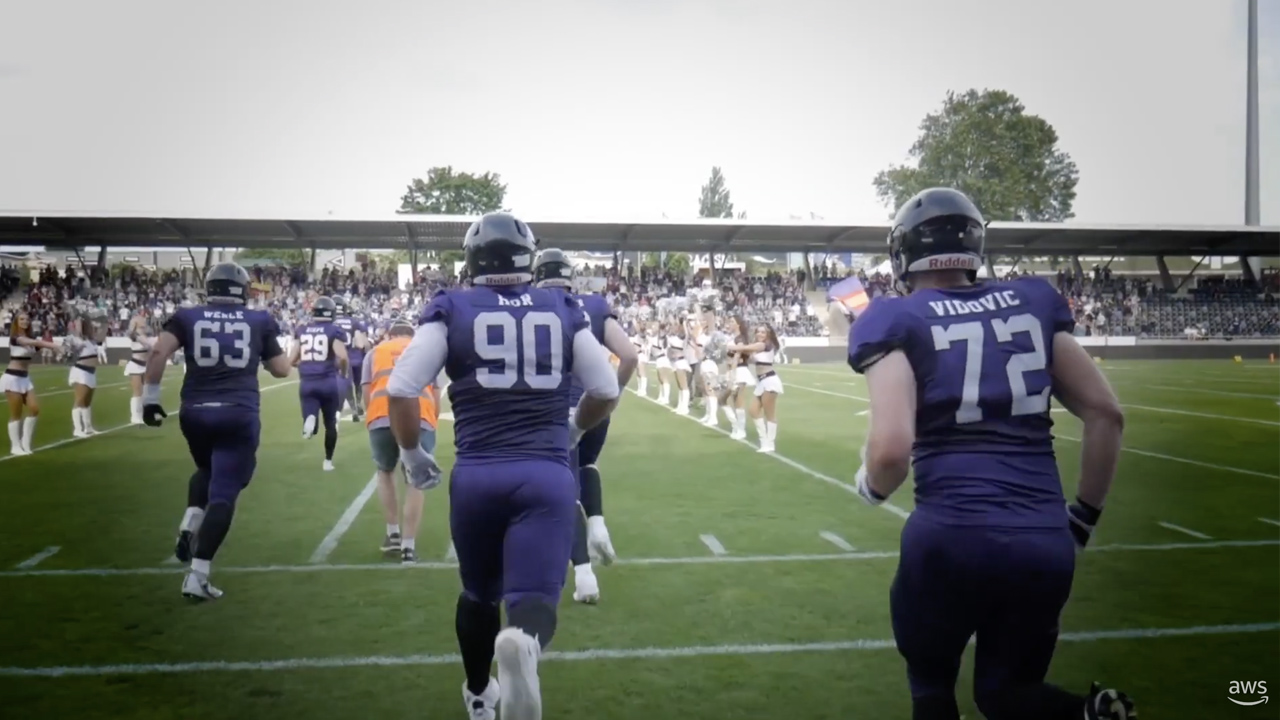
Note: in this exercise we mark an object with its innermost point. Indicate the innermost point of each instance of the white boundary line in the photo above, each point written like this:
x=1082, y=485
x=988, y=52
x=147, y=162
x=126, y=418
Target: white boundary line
x=836, y=540
x=1269, y=521
x=691, y=560
x=713, y=545
x=1185, y=531
x=348, y=517
x=649, y=653
x=888, y=507
x=38, y=558
x=1135, y=451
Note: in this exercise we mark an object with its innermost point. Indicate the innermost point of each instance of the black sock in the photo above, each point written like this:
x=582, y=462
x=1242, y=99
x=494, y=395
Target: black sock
x=1041, y=700
x=589, y=490
x=198, y=489
x=535, y=617
x=330, y=438
x=477, y=625
x=935, y=707
x=213, y=530
x=579, y=555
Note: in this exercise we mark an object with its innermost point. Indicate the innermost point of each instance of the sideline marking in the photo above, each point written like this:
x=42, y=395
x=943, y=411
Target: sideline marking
x=713, y=545
x=692, y=560
x=1179, y=528
x=1269, y=521
x=348, y=517
x=888, y=507
x=836, y=540
x=648, y=653
x=38, y=558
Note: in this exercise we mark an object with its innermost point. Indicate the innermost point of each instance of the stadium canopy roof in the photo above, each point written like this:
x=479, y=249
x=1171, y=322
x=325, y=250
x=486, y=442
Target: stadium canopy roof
x=435, y=232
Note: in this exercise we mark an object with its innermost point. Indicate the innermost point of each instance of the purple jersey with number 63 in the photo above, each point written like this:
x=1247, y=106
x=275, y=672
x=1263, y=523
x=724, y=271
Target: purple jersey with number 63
x=224, y=346
x=982, y=357
x=510, y=363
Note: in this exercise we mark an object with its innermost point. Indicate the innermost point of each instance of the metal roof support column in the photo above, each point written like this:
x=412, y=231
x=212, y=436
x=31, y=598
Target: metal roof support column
x=312, y=263
x=1247, y=269
x=208, y=258
x=1184, y=280
x=1077, y=268
x=991, y=269
x=102, y=256
x=1166, y=278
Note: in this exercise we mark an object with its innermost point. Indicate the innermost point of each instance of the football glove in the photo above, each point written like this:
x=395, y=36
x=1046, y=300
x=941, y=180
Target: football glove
x=152, y=414
x=1084, y=518
x=421, y=467
x=863, y=483
x=575, y=432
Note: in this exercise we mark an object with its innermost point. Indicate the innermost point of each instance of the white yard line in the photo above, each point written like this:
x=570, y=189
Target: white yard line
x=1188, y=388
x=1269, y=521
x=598, y=654
x=888, y=507
x=836, y=540
x=1135, y=451
x=713, y=545
x=642, y=562
x=348, y=517
x=38, y=558
x=1185, y=531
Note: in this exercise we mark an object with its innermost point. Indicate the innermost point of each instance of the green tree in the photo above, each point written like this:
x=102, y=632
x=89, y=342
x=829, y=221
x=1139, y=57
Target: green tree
x=678, y=263
x=650, y=259
x=287, y=256
x=987, y=146
x=714, y=201
x=448, y=192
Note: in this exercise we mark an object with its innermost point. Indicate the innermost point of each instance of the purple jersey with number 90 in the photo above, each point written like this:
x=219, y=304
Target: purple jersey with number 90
x=982, y=357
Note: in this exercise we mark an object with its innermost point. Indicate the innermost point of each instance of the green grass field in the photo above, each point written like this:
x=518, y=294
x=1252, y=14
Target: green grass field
x=1179, y=596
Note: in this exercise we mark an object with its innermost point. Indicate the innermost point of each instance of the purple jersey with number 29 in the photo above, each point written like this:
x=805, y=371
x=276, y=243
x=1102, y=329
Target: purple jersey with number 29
x=982, y=356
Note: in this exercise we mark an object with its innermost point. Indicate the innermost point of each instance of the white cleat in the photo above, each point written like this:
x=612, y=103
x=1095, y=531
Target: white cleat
x=19, y=451
x=328, y=465
x=586, y=589
x=709, y=422
x=682, y=411
x=80, y=434
x=765, y=448
x=197, y=587
x=485, y=705
x=738, y=435
x=520, y=691
x=599, y=547
x=135, y=421
x=309, y=427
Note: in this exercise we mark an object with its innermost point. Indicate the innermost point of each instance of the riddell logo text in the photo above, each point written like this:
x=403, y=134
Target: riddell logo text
x=950, y=263
x=1248, y=687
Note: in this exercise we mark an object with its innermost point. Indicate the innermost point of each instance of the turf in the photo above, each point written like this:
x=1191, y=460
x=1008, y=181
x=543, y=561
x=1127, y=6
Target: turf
x=769, y=630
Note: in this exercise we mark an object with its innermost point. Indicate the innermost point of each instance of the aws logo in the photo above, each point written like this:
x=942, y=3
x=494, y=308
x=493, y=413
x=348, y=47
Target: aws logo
x=1248, y=687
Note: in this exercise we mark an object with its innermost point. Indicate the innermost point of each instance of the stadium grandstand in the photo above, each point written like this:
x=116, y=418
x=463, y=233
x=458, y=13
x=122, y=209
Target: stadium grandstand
x=1153, y=283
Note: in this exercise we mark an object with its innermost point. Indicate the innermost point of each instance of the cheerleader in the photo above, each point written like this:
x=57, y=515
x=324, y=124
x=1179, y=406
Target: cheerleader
x=768, y=385
x=679, y=366
x=641, y=341
x=83, y=378
x=140, y=344
x=662, y=361
x=17, y=386
x=742, y=381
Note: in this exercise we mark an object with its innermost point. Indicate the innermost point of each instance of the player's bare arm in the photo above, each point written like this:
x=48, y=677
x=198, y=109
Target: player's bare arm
x=1084, y=391
x=891, y=384
x=344, y=360
x=616, y=340
x=417, y=367
x=599, y=381
x=165, y=346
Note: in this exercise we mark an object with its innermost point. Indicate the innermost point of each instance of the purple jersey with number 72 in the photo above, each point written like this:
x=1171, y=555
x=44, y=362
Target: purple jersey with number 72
x=982, y=356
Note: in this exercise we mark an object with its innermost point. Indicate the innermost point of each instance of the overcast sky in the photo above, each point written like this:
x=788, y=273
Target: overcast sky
x=611, y=109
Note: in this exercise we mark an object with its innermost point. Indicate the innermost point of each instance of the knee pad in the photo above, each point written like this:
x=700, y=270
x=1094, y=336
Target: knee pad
x=535, y=616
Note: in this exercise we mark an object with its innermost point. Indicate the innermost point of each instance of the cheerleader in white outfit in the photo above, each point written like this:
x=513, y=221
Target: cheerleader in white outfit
x=742, y=381
x=641, y=341
x=83, y=379
x=768, y=385
x=662, y=361
x=16, y=383
x=140, y=344
x=680, y=368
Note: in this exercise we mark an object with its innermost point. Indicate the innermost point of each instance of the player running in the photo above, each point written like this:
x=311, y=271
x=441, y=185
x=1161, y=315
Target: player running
x=591, y=540
x=357, y=340
x=225, y=342
x=401, y=537
x=320, y=354
x=511, y=352
x=963, y=372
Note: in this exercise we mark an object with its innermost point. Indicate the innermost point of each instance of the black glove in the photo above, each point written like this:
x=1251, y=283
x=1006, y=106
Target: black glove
x=1084, y=518
x=153, y=415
